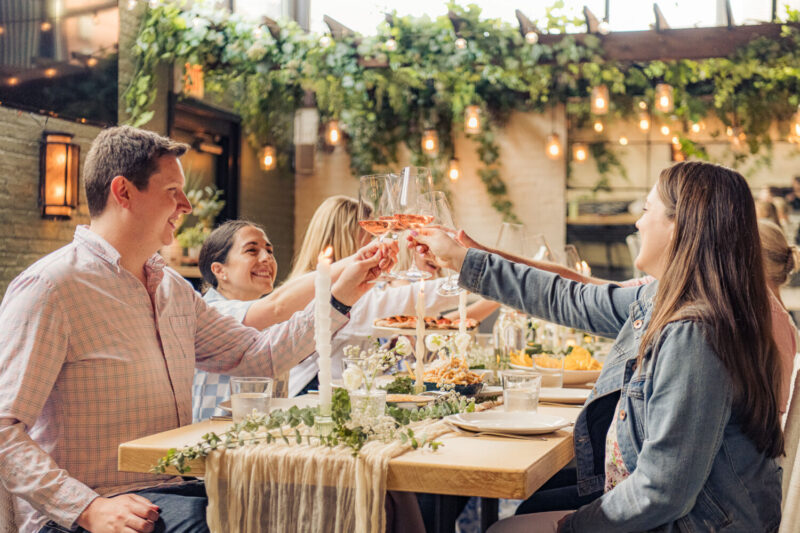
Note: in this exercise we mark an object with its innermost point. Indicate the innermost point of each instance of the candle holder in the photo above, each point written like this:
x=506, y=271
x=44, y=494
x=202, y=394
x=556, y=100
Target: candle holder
x=323, y=422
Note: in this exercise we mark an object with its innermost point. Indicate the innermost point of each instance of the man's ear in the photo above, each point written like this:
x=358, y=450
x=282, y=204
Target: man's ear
x=120, y=191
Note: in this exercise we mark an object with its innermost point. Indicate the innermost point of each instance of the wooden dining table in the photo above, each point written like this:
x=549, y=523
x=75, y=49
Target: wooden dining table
x=486, y=466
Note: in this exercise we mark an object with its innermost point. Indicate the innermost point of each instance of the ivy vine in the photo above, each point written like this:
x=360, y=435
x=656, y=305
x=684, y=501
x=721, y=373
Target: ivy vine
x=427, y=81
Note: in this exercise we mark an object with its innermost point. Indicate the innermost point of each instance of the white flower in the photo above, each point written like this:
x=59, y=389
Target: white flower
x=434, y=342
x=403, y=347
x=352, y=378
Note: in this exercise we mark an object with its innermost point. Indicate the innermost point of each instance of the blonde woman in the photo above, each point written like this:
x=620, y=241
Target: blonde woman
x=780, y=261
x=335, y=223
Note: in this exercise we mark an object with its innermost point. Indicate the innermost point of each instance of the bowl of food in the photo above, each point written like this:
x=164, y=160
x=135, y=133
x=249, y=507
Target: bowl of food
x=452, y=373
x=580, y=367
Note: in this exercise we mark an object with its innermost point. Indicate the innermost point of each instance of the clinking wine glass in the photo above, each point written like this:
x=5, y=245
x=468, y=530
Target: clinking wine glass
x=511, y=239
x=572, y=259
x=537, y=247
x=443, y=216
x=375, y=210
x=412, y=209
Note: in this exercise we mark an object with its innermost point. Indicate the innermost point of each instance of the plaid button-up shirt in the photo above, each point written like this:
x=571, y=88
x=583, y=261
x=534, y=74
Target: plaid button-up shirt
x=91, y=358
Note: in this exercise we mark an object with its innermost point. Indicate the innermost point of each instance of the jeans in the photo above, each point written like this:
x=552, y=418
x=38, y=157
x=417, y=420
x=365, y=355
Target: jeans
x=560, y=493
x=183, y=509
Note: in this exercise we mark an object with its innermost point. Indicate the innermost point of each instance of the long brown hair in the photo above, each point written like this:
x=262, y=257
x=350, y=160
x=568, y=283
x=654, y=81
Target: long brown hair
x=715, y=276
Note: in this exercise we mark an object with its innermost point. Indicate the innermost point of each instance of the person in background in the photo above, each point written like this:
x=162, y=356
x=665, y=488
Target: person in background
x=687, y=399
x=793, y=198
x=99, y=344
x=335, y=223
x=238, y=266
x=765, y=210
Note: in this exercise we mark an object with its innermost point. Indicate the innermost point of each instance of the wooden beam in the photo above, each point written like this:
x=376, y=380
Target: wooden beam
x=674, y=44
x=592, y=22
x=272, y=26
x=338, y=30
x=729, y=14
x=661, y=20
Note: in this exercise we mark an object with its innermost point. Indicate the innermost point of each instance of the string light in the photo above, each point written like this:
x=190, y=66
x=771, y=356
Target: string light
x=553, y=146
x=131, y=4
x=325, y=41
x=266, y=158
x=664, y=130
x=332, y=133
x=46, y=26
x=603, y=28
x=472, y=120
x=531, y=37
x=2, y=29
x=623, y=141
x=454, y=170
x=796, y=124
x=12, y=81
x=644, y=121
x=598, y=126
x=642, y=105
x=600, y=100
x=729, y=131
x=675, y=140
x=664, y=101
x=580, y=152
x=430, y=142
x=695, y=127
x=461, y=43
x=91, y=62
x=391, y=45
x=50, y=72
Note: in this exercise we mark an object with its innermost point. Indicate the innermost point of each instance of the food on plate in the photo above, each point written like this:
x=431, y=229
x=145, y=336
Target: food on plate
x=580, y=359
x=547, y=361
x=520, y=358
x=451, y=370
x=410, y=322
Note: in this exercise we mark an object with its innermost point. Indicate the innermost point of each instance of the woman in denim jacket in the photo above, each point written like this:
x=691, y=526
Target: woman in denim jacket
x=682, y=428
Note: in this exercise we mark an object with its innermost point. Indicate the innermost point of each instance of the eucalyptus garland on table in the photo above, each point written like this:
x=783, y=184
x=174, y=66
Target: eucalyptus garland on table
x=429, y=81
x=296, y=425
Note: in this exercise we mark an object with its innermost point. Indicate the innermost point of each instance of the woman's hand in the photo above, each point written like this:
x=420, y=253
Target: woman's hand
x=366, y=265
x=440, y=246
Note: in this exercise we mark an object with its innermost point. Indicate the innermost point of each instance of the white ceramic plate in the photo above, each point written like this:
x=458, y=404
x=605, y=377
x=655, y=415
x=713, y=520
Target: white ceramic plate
x=571, y=377
x=576, y=396
x=413, y=332
x=515, y=423
x=280, y=403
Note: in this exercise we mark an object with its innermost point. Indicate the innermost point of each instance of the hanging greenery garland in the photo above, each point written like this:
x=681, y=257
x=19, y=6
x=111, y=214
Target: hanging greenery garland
x=387, y=95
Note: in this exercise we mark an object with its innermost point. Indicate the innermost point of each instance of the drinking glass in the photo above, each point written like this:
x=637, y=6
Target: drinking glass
x=511, y=239
x=412, y=209
x=250, y=394
x=572, y=259
x=521, y=390
x=443, y=216
x=537, y=246
x=375, y=209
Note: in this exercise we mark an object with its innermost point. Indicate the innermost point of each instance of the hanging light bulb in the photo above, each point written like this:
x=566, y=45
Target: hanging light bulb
x=644, y=121
x=454, y=170
x=461, y=43
x=598, y=126
x=623, y=141
x=325, y=41
x=796, y=123
x=131, y=4
x=676, y=141
x=472, y=119
x=430, y=142
x=50, y=72
x=2, y=29
x=391, y=45
x=600, y=100
x=332, y=133
x=531, y=37
x=695, y=127
x=91, y=62
x=603, y=28
x=553, y=146
x=580, y=152
x=266, y=158
x=729, y=131
x=664, y=102
x=664, y=130
x=46, y=26
x=642, y=105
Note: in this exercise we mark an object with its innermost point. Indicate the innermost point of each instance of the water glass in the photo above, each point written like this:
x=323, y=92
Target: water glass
x=248, y=395
x=370, y=404
x=521, y=390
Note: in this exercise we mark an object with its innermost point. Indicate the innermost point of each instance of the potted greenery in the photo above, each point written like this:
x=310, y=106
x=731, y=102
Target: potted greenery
x=191, y=239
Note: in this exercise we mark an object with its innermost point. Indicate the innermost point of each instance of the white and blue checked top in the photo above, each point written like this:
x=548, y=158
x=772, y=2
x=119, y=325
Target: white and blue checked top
x=294, y=335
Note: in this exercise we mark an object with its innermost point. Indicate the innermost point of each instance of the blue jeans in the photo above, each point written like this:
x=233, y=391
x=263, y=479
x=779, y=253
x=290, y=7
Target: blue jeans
x=183, y=509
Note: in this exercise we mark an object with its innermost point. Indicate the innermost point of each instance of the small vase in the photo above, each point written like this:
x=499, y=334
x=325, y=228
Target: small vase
x=369, y=403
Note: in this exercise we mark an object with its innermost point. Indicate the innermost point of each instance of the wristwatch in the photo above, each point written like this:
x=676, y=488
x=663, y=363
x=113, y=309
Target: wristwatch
x=339, y=306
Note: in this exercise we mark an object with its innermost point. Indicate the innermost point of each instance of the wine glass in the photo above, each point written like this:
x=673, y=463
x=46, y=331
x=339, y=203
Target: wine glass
x=511, y=239
x=572, y=259
x=538, y=248
x=443, y=216
x=412, y=209
x=375, y=208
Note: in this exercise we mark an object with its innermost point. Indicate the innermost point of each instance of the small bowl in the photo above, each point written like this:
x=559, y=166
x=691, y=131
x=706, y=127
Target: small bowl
x=464, y=390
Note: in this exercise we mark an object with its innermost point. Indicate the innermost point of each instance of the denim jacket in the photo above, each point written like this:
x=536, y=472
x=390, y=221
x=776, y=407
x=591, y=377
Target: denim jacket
x=691, y=467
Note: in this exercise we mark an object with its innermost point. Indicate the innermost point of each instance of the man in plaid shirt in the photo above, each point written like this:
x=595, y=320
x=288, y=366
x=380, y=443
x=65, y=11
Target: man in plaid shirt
x=99, y=342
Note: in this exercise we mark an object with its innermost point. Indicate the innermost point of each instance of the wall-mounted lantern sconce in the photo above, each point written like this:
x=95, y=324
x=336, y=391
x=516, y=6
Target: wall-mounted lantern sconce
x=59, y=160
x=266, y=158
x=430, y=143
x=472, y=120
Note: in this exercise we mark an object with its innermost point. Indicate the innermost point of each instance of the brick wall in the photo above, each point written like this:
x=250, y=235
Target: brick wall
x=25, y=236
